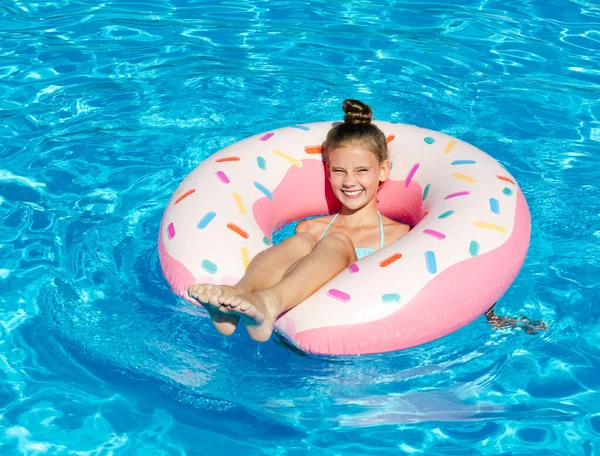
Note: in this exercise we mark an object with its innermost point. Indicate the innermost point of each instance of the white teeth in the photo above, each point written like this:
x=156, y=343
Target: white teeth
x=354, y=193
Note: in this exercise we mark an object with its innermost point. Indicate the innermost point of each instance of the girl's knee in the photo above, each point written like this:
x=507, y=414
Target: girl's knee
x=305, y=242
x=341, y=239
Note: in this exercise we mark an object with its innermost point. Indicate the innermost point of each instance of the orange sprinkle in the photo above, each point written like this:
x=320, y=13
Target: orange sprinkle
x=184, y=196
x=390, y=138
x=506, y=179
x=389, y=260
x=312, y=149
x=236, y=229
x=227, y=159
x=425, y=214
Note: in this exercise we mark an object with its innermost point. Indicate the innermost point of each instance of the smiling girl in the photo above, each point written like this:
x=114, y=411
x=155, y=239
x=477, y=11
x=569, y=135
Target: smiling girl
x=281, y=277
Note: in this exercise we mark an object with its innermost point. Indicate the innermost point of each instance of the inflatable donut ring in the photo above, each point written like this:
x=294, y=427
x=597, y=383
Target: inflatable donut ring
x=470, y=235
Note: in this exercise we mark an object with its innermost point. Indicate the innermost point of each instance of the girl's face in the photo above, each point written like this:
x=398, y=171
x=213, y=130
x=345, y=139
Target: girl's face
x=355, y=174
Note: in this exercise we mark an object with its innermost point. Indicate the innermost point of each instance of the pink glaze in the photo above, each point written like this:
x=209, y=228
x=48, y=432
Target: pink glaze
x=448, y=297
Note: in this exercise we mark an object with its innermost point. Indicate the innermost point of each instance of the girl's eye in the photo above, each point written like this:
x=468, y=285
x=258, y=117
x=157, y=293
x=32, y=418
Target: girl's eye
x=362, y=170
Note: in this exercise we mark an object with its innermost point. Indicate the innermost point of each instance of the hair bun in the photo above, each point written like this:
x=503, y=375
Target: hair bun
x=357, y=113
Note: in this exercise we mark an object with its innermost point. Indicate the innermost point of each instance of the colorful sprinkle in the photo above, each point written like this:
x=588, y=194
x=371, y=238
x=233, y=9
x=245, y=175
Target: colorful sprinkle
x=474, y=248
x=301, y=127
x=390, y=138
x=426, y=191
x=454, y=195
x=339, y=295
x=261, y=162
x=494, y=205
x=312, y=149
x=507, y=191
x=463, y=162
x=435, y=234
x=490, y=226
x=209, y=266
x=389, y=260
x=236, y=229
x=184, y=196
x=430, y=261
x=227, y=159
x=450, y=146
x=239, y=203
x=292, y=160
x=245, y=261
x=266, y=241
x=506, y=179
x=171, y=231
x=222, y=177
x=425, y=214
x=411, y=173
x=263, y=189
x=353, y=268
x=446, y=214
x=429, y=140
x=204, y=221
x=267, y=136
x=391, y=298
x=464, y=177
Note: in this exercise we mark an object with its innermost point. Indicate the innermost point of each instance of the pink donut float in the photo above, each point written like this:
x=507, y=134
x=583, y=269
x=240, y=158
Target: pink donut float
x=470, y=235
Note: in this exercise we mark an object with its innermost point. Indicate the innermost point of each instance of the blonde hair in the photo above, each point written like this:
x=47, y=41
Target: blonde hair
x=356, y=128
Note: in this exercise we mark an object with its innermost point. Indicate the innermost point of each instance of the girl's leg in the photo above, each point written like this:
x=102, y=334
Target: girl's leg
x=265, y=270
x=260, y=309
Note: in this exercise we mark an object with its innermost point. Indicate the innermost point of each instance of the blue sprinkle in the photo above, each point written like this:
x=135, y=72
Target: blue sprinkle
x=446, y=214
x=390, y=298
x=266, y=241
x=430, y=260
x=463, y=162
x=263, y=189
x=494, y=206
x=474, y=248
x=209, y=266
x=262, y=163
x=206, y=220
x=391, y=165
x=301, y=127
x=429, y=140
x=426, y=191
x=507, y=191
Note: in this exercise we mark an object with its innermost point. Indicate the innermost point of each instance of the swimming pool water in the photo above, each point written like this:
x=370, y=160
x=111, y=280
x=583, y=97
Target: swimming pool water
x=105, y=107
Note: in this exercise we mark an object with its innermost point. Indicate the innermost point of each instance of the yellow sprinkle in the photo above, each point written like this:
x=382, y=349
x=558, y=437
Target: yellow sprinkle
x=245, y=257
x=292, y=160
x=239, y=203
x=178, y=192
x=449, y=146
x=490, y=226
x=464, y=177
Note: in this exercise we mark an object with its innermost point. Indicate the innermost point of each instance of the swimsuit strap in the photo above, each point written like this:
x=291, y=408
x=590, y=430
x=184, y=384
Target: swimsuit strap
x=328, y=226
x=381, y=235
x=381, y=238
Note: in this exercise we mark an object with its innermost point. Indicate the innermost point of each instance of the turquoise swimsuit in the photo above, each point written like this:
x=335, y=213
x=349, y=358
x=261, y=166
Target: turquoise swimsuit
x=361, y=253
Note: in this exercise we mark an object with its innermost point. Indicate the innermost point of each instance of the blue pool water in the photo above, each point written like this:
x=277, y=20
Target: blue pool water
x=105, y=107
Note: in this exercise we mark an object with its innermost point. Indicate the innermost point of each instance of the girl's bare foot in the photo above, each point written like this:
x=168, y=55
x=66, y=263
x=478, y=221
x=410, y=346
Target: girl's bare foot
x=258, y=310
x=208, y=296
